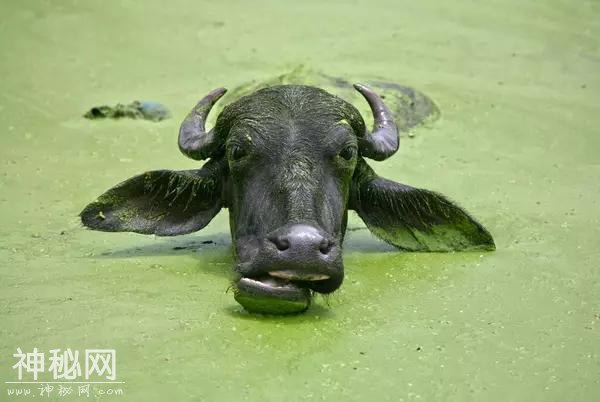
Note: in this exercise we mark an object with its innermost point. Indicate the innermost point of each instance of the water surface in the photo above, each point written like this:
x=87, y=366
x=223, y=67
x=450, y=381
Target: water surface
x=517, y=145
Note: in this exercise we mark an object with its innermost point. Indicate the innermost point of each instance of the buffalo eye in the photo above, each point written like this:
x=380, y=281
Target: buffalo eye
x=237, y=152
x=348, y=152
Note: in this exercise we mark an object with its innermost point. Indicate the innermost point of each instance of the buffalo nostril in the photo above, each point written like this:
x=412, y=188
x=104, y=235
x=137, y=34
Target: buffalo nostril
x=282, y=243
x=325, y=246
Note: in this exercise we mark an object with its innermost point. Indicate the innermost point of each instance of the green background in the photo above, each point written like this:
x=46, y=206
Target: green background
x=517, y=145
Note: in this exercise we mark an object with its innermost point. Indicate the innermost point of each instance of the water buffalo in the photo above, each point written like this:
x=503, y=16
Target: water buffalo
x=288, y=162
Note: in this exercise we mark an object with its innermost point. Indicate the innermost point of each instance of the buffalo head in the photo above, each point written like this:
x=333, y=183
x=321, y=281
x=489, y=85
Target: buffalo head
x=288, y=162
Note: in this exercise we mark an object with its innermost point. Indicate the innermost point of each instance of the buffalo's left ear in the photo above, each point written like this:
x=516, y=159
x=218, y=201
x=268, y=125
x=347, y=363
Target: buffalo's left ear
x=160, y=202
x=414, y=219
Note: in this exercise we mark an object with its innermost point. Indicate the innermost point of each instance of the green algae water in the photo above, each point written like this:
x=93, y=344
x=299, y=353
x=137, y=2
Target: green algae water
x=518, y=89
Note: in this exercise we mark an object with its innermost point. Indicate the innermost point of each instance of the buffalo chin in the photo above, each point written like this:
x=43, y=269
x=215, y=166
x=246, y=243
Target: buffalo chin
x=269, y=295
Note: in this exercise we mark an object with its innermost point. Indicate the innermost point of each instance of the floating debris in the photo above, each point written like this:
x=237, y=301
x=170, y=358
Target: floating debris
x=146, y=110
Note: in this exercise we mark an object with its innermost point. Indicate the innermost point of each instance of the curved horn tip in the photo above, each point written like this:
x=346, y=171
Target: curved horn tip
x=215, y=94
x=384, y=139
x=194, y=141
x=362, y=88
x=371, y=96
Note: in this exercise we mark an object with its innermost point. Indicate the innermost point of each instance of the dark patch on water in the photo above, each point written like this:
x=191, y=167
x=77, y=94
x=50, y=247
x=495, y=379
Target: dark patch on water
x=409, y=106
x=145, y=110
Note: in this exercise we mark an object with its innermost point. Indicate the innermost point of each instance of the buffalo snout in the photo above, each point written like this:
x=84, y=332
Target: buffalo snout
x=307, y=255
x=279, y=271
x=302, y=241
x=300, y=254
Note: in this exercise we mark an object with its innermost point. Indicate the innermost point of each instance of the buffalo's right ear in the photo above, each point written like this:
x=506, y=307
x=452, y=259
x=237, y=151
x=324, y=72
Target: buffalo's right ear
x=414, y=219
x=160, y=202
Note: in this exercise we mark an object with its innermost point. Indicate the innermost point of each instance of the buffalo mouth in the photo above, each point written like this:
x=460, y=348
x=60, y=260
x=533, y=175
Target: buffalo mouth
x=279, y=292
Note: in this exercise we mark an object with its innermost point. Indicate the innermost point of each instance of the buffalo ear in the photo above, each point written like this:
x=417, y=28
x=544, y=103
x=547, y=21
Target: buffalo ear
x=160, y=202
x=414, y=219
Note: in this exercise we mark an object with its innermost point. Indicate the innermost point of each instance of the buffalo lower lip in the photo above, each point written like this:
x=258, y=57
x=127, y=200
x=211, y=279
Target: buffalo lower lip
x=271, y=296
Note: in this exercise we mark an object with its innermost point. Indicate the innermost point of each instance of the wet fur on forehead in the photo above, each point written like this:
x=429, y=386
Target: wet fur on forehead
x=295, y=102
